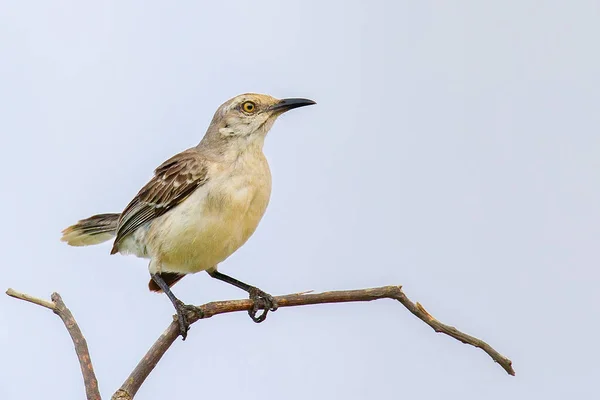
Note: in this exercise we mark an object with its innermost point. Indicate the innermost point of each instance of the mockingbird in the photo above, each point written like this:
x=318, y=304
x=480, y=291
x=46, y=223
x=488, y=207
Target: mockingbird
x=201, y=205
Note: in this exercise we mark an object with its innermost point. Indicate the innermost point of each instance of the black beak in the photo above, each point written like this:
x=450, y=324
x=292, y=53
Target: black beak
x=289, y=104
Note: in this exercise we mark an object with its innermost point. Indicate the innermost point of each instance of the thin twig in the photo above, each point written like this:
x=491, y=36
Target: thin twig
x=83, y=354
x=59, y=308
x=31, y=299
x=153, y=356
x=130, y=387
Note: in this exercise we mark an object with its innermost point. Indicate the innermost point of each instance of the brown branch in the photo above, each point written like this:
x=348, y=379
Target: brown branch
x=59, y=308
x=153, y=356
x=158, y=349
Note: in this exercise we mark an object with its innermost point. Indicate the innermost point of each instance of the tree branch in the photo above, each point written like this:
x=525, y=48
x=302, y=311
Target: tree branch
x=159, y=348
x=59, y=308
x=31, y=299
x=147, y=364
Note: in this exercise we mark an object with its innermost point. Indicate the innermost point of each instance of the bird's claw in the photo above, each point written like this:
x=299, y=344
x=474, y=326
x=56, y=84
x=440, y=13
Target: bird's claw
x=182, y=317
x=261, y=300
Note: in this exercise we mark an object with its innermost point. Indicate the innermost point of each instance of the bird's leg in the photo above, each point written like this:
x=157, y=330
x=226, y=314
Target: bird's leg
x=180, y=307
x=256, y=295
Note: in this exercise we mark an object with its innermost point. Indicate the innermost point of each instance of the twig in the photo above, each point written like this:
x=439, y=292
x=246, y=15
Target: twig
x=153, y=356
x=130, y=387
x=59, y=308
x=31, y=299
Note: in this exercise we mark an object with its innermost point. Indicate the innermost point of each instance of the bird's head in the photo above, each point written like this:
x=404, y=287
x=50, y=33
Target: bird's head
x=247, y=118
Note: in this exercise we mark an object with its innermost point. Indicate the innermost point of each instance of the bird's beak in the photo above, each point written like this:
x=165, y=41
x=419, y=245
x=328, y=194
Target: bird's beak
x=289, y=104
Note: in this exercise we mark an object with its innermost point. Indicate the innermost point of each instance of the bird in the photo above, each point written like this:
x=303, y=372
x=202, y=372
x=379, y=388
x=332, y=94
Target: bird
x=200, y=206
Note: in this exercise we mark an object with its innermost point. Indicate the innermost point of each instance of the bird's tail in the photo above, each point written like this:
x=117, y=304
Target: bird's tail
x=93, y=230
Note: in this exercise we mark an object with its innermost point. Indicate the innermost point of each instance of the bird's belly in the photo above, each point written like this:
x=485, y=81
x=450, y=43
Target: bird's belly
x=198, y=248
x=207, y=230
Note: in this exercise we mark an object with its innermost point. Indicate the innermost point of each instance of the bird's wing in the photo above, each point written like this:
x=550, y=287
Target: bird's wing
x=173, y=181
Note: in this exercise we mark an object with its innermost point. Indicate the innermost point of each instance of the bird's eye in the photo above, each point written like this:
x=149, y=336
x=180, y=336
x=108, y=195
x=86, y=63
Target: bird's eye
x=249, y=107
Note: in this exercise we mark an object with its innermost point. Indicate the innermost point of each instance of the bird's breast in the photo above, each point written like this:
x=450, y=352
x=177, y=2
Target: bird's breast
x=215, y=220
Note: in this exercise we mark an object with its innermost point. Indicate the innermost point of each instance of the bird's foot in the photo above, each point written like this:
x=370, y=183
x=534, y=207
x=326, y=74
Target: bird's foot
x=183, y=310
x=261, y=300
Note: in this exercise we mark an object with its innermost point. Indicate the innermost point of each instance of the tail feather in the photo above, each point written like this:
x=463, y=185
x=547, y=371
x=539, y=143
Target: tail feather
x=93, y=230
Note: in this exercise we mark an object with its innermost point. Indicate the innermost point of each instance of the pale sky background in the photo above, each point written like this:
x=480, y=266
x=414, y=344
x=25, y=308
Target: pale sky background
x=454, y=150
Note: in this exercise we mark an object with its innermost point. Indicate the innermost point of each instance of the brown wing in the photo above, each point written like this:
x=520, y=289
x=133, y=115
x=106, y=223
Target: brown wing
x=173, y=181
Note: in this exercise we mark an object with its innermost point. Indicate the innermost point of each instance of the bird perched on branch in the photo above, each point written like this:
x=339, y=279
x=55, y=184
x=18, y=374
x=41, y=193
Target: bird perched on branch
x=201, y=205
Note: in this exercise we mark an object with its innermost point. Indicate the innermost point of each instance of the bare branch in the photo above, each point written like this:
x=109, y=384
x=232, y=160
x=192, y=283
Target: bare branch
x=59, y=308
x=147, y=364
x=83, y=354
x=153, y=356
x=158, y=349
x=31, y=299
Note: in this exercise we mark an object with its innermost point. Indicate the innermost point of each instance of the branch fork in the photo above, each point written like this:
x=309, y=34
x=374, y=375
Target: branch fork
x=137, y=377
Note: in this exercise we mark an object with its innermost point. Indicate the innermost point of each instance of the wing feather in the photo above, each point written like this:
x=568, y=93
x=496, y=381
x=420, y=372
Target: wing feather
x=173, y=181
